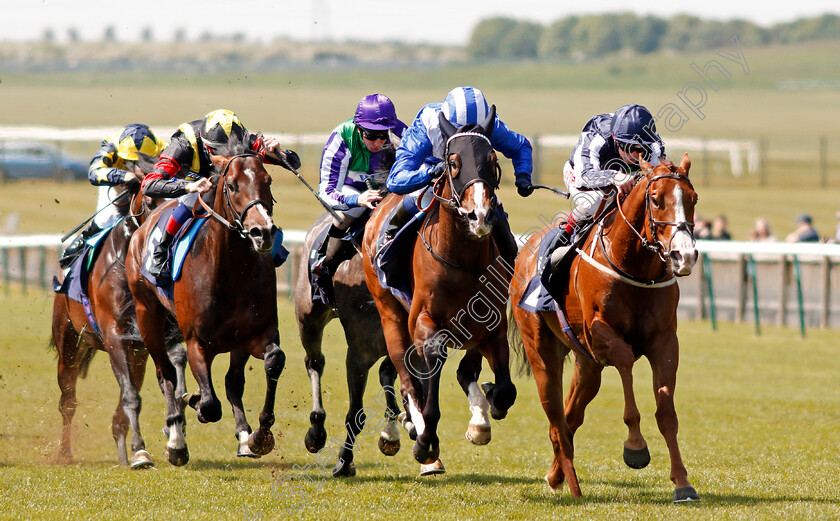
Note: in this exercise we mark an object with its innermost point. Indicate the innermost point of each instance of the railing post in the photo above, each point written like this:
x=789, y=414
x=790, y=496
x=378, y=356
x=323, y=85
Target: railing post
x=707, y=271
x=23, y=269
x=783, y=279
x=798, y=274
x=753, y=274
x=825, y=312
x=741, y=302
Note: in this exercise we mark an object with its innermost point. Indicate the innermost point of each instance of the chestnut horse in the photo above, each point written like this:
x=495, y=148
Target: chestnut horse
x=355, y=309
x=620, y=298
x=454, y=262
x=224, y=301
x=112, y=307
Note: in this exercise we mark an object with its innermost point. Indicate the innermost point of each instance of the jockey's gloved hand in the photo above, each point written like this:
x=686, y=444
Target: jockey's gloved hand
x=523, y=186
x=292, y=158
x=437, y=170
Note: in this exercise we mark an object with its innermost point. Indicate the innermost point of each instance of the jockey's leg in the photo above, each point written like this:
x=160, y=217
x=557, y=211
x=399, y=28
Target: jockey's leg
x=160, y=267
x=405, y=211
x=330, y=252
x=508, y=248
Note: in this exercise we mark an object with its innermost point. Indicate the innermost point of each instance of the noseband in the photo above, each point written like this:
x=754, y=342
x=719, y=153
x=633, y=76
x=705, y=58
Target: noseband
x=237, y=218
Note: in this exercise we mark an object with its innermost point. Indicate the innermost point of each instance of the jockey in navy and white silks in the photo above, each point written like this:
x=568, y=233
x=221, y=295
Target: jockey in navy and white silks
x=110, y=171
x=420, y=157
x=606, y=155
x=349, y=181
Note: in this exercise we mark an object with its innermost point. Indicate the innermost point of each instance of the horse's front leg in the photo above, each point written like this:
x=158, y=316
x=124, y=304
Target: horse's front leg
x=389, y=438
x=261, y=441
x=613, y=349
x=664, y=359
x=234, y=389
x=207, y=406
x=478, y=430
x=502, y=394
x=434, y=343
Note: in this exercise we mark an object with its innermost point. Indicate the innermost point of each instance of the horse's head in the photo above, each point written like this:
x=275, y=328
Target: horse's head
x=244, y=194
x=472, y=171
x=670, y=199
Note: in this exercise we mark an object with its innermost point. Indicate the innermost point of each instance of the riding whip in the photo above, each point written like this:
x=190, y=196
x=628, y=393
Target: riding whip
x=326, y=205
x=84, y=223
x=561, y=193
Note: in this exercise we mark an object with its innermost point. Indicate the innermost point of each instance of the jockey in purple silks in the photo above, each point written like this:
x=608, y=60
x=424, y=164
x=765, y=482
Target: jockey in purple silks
x=420, y=159
x=349, y=179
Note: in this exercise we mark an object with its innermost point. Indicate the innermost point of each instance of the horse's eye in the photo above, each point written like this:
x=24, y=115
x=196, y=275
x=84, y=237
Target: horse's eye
x=231, y=187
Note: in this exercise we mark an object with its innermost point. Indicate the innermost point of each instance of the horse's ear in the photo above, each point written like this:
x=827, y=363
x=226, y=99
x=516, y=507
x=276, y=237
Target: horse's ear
x=446, y=128
x=220, y=161
x=489, y=122
x=685, y=164
x=645, y=166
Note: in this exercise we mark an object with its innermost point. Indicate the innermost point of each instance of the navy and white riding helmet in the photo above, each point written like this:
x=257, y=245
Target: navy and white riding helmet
x=633, y=124
x=465, y=106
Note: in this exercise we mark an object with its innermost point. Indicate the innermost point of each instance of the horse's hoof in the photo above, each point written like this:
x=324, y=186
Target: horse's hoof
x=342, y=470
x=436, y=467
x=141, y=460
x=192, y=399
x=177, y=457
x=407, y=425
x=244, y=451
x=425, y=456
x=478, y=434
x=637, y=458
x=557, y=485
x=261, y=442
x=685, y=494
x=389, y=447
x=315, y=439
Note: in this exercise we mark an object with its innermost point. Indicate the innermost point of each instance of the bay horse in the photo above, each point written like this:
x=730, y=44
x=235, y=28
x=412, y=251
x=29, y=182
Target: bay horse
x=112, y=308
x=357, y=313
x=224, y=301
x=619, y=298
x=453, y=264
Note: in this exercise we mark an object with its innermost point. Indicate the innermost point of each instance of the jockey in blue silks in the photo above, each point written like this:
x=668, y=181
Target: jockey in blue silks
x=419, y=159
x=607, y=155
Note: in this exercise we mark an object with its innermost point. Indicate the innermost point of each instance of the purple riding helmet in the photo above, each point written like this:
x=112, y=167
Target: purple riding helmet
x=376, y=112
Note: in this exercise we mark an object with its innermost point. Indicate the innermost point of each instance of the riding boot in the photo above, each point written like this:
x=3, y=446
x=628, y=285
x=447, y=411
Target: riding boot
x=506, y=242
x=328, y=253
x=77, y=245
x=398, y=220
x=160, y=268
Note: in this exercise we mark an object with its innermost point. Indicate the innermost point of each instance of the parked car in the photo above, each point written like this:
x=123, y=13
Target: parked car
x=39, y=160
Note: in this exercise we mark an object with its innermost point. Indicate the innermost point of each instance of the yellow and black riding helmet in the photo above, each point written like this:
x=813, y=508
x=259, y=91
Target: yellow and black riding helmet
x=135, y=139
x=223, y=133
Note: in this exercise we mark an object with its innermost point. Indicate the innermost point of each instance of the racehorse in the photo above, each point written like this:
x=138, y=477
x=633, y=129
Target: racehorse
x=453, y=264
x=355, y=309
x=619, y=298
x=112, y=307
x=225, y=300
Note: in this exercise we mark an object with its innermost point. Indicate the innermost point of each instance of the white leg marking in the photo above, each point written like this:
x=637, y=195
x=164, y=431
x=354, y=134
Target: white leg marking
x=478, y=406
x=416, y=417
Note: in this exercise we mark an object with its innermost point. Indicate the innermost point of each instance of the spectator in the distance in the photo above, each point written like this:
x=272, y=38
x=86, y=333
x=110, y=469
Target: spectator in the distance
x=761, y=232
x=805, y=231
x=719, y=230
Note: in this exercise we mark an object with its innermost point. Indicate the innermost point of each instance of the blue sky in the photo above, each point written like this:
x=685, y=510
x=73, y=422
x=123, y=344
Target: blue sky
x=434, y=21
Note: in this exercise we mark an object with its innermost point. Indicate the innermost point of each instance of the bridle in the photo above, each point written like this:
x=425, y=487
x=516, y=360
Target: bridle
x=653, y=245
x=237, y=217
x=454, y=202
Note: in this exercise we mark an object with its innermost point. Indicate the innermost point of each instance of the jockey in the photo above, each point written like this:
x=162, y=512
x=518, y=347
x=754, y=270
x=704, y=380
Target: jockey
x=420, y=159
x=184, y=168
x=110, y=172
x=348, y=170
x=606, y=156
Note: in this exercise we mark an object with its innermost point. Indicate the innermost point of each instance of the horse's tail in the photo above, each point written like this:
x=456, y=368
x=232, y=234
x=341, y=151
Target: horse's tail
x=516, y=343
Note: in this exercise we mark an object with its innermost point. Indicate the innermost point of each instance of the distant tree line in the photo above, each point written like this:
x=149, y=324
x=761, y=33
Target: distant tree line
x=598, y=35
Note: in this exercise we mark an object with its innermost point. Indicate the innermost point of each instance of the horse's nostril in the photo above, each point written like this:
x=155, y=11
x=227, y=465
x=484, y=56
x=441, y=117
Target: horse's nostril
x=472, y=216
x=255, y=233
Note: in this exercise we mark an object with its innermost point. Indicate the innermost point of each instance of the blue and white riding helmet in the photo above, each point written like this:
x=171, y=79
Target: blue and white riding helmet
x=465, y=106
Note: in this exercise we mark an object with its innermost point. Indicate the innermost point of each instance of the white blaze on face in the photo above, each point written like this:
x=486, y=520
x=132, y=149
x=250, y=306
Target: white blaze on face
x=683, y=247
x=479, y=226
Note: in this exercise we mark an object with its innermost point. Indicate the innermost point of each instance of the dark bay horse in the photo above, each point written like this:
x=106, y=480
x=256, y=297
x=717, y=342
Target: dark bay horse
x=355, y=309
x=620, y=298
x=224, y=301
x=458, y=282
x=112, y=307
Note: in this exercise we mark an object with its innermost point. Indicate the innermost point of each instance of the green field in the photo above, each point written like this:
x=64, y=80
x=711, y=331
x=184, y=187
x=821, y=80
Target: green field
x=758, y=416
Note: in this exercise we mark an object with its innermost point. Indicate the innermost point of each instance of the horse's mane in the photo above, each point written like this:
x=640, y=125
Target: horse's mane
x=388, y=155
x=145, y=162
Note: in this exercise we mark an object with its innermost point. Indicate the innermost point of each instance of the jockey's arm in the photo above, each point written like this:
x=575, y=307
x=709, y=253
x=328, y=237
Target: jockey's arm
x=517, y=148
x=409, y=173
x=102, y=171
x=263, y=144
